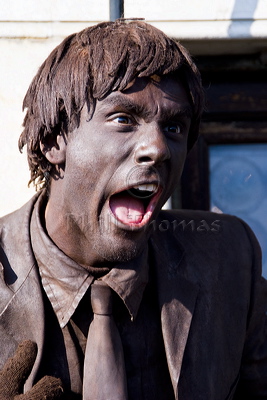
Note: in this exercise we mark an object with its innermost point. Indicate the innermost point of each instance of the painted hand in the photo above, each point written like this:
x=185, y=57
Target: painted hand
x=17, y=369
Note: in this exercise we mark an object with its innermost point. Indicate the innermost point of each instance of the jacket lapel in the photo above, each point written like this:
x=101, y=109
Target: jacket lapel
x=22, y=309
x=177, y=297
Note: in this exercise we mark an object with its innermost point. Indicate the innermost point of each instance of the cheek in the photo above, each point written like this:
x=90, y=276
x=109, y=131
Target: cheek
x=178, y=155
x=176, y=167
x=88, y=171
x=94, y=151
x=83, y=158
x=79, y=174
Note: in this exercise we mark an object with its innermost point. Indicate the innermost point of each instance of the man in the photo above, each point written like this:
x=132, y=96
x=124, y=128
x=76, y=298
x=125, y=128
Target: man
x=111, y=115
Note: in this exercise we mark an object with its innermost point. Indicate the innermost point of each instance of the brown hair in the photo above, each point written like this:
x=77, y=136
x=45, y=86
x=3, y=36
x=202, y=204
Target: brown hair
x=86, y=67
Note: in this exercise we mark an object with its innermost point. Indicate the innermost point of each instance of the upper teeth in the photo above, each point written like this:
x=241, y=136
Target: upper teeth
x=150, y=187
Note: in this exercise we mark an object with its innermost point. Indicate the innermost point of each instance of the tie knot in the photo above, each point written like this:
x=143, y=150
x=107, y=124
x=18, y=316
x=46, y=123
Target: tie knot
x=101, y=298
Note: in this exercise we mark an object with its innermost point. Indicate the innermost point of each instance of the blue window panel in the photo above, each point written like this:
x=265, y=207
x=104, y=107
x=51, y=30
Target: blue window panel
x=238, y=186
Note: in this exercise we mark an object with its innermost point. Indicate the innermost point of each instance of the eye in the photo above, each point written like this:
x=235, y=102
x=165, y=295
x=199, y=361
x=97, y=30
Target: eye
x=172, y=128
x=123, y=120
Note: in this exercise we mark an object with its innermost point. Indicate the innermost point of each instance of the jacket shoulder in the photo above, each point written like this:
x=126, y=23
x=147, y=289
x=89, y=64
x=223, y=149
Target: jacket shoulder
x=198, y=221
x=205, y=231
x=15, y=246
x=14, y=218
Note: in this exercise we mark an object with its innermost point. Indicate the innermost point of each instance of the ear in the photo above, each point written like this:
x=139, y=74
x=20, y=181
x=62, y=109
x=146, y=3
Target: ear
x=54, y=149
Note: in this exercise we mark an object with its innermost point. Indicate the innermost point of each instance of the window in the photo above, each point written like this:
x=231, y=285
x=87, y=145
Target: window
x=227, y=170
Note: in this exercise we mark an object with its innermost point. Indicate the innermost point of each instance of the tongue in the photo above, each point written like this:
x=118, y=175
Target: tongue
x=127, y=209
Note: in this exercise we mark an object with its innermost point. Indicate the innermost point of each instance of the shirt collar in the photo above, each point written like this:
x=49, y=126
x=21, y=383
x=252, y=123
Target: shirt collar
x=129, y=280
x=65, y=282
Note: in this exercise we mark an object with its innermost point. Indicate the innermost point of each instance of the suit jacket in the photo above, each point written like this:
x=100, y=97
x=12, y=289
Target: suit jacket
x=211, y=298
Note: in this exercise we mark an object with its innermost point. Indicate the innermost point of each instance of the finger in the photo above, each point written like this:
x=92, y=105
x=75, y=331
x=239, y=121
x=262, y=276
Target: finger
x=48, y=388
x=17, y=369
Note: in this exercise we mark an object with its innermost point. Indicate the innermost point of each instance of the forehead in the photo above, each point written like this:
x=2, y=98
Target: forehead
x=147, y=95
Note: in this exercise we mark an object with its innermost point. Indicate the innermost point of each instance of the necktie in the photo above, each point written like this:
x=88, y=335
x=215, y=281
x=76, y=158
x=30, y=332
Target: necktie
x=104, y=370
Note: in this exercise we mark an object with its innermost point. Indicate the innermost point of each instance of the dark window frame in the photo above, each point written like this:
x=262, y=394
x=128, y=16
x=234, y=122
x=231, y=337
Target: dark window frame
x=195, y=190
x=235, y=113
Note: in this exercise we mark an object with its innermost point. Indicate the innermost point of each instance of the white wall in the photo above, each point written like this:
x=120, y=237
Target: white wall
x=29, y=30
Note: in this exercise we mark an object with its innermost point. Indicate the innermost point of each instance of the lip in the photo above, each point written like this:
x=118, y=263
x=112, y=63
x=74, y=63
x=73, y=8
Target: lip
x=150, y=208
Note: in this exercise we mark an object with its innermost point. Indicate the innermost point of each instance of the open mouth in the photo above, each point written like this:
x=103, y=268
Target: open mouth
x=135, y=205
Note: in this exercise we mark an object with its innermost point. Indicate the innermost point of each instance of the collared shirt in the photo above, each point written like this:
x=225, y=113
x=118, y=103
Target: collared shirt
x=68, y=307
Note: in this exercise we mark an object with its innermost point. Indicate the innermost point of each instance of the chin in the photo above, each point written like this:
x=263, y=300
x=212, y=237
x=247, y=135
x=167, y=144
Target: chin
x=116, y=251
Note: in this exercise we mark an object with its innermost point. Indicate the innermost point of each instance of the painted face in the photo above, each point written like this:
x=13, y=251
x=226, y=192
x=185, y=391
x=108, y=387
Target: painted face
x=121, y=166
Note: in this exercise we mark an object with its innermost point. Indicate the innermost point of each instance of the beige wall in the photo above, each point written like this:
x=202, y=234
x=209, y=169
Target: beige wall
x=29, y=30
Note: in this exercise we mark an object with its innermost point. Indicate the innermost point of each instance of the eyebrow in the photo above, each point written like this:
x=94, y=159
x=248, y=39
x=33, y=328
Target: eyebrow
x=118, y=101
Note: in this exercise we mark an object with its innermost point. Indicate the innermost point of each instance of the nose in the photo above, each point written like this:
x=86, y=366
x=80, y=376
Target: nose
x=152, y=147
